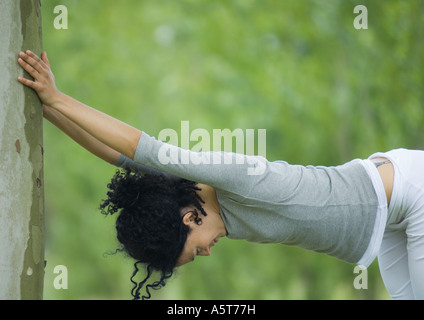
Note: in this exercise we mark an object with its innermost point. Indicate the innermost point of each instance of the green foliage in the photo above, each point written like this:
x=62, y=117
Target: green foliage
x=325, y=92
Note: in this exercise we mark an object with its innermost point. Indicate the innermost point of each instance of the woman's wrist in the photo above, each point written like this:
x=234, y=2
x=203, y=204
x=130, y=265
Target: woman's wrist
x=57, y=99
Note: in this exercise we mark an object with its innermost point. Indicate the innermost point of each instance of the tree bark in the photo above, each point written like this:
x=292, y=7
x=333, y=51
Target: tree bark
x=21, y=157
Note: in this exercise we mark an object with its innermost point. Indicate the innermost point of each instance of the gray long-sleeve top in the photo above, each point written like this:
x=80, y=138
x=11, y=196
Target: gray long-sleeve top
x=331, y=210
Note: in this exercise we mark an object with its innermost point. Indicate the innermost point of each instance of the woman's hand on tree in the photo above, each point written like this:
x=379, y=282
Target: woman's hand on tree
x=39, y=69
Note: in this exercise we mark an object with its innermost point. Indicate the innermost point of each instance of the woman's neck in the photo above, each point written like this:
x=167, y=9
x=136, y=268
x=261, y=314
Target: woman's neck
x=208, y=195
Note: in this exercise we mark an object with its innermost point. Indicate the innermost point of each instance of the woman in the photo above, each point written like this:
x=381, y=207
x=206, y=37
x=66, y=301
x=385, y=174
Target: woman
x=172, y=211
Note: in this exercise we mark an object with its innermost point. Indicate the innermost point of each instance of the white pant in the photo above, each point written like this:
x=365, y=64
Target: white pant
x=401, y=256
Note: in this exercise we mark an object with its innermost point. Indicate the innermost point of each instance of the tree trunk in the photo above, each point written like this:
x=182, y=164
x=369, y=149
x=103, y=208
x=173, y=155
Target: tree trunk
x=21, y=157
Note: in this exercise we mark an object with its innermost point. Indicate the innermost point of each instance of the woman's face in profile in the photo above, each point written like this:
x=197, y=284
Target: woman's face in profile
x=201, y=237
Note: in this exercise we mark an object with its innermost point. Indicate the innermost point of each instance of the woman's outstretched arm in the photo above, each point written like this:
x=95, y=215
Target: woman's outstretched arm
x=115, y=134
x=80, y=136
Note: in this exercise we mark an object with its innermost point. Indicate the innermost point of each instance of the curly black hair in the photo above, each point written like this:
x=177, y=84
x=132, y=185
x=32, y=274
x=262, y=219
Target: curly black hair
x=149, y=226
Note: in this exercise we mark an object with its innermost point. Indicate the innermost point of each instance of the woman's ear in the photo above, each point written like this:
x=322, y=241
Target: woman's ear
x=188, y=215
x=188, y=218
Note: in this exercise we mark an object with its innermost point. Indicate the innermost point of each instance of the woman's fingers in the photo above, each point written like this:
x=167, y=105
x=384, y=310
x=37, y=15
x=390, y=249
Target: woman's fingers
x=28, y=68
x=27, y=82
x=34, y=61
x=43, y=79
x=31, y=63
x=45, y=59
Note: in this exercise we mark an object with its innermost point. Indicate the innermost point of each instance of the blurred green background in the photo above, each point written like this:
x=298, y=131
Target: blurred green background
x=325, y=93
